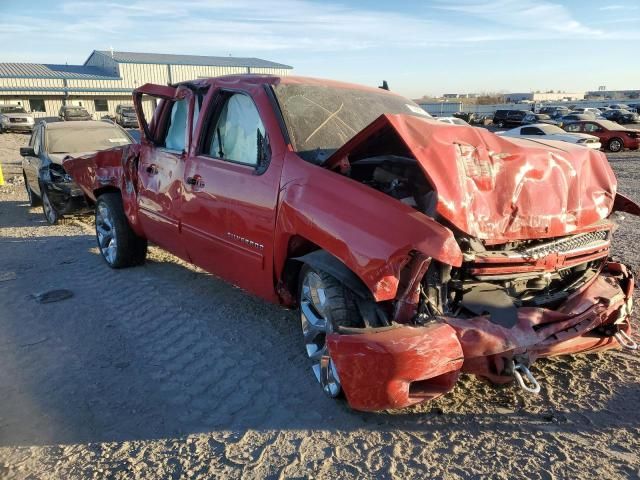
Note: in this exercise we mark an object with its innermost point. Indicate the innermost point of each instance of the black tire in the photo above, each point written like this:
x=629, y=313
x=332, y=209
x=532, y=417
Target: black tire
x=51, y=215
x=128, y=249
x=34, y=200
x=336, y=308
x=615, y=145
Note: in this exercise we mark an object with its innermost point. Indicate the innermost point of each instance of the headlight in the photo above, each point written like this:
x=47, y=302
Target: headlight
x=58, y=174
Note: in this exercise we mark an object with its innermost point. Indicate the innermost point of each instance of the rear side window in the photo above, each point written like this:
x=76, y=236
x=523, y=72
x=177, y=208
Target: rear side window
x=592, y=127
x=175, y=138
x=238, y=134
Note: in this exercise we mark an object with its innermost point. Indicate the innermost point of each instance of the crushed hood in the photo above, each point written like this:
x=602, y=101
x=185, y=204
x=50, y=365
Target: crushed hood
x=498, y=188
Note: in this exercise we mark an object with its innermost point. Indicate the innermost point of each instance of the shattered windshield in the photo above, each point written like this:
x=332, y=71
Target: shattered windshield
x=90, y=139
x=320, y=118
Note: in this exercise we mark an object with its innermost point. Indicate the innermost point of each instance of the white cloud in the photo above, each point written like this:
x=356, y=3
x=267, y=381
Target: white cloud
x=525, y=16
x=618, y=7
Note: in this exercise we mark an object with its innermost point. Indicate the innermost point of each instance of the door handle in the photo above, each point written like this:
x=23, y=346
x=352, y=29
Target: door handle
x=152, y=169
x=195, y=181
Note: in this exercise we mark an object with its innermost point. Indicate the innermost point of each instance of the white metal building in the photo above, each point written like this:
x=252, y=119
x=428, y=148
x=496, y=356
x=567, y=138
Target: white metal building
x=543, y=97
x=107, y=78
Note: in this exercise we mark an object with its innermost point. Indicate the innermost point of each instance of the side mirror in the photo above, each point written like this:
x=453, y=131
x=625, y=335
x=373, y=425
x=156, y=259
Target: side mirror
x=27, y=152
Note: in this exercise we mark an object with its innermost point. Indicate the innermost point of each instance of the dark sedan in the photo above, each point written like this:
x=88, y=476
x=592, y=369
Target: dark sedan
x=621, y=116
x=531, y=118
x=45, y=179
x=575, y=117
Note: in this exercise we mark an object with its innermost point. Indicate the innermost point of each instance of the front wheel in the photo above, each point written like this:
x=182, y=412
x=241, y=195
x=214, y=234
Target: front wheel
x=325, y=304
x=118, y=243
x=51, y=215
x=615, y=145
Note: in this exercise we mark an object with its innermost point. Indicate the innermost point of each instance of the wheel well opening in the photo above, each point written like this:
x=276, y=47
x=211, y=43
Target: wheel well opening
x=298, y=246
x=103, y=190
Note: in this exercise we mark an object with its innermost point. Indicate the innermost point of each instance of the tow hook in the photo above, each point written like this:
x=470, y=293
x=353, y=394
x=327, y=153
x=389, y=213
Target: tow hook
x=532, y=385
x=625, y=340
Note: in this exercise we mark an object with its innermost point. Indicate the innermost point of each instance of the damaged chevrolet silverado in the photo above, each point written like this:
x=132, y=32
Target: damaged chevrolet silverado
x=414, y=250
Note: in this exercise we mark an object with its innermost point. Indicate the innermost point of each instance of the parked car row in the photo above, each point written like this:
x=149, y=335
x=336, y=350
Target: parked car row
x=562, y=115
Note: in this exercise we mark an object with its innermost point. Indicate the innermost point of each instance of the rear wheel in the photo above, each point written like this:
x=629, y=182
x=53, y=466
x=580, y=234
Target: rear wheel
x=325, y=305
x=615, y=145
x=118, y=243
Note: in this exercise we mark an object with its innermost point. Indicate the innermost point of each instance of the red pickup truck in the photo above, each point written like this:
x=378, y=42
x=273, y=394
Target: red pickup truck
x=415, y=250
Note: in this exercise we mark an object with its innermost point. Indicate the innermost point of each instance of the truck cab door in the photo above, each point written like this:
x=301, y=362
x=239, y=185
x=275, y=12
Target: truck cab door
x=232, y=180
x=163, y=150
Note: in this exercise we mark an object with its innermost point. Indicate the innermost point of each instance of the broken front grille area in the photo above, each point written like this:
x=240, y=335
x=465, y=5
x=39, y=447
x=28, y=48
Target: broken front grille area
x=532, y=273
x=567, y=245
x=548, y=256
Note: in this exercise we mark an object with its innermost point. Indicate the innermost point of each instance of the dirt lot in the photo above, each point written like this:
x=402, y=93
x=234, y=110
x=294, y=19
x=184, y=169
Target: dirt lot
x=164, y=371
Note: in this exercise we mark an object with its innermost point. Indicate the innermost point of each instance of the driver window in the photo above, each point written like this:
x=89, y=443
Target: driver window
x=175, y=139
x=239, y=134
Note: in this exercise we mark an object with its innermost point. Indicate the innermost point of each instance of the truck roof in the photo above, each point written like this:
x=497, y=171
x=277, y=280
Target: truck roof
x=259, y=79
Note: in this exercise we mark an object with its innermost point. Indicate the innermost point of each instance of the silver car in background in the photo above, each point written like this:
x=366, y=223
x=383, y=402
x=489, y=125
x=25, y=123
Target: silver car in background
x=14, y=118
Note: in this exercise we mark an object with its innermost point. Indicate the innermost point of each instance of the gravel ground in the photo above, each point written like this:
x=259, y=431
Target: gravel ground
x=164, y=371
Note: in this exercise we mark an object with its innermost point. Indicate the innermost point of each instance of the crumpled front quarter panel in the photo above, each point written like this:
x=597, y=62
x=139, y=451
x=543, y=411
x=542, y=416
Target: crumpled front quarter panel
x=98, y=170
x=370, y=232
x=503, y=189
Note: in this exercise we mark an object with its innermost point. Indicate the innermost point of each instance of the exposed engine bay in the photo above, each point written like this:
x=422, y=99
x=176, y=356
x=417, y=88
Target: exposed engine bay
x=494, y=280
x=398, y=177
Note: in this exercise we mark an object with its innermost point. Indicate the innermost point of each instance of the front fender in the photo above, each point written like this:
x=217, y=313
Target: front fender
x=370, y=232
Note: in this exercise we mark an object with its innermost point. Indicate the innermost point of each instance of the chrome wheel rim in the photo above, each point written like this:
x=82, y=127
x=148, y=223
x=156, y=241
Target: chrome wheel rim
x=615, y=145
x=106, y=233
x=316, y=326
x=49, y=212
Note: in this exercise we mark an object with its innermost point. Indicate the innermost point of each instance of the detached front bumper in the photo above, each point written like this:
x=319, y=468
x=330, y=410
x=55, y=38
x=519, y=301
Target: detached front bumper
x=397, y=367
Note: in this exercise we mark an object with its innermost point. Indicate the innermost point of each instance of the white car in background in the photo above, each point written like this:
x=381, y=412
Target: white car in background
x=588, y=110
x=543, y=131
x=452, y=121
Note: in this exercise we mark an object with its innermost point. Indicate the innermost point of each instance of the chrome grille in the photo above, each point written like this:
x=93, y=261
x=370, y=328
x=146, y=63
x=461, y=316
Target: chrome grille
x=567, y=244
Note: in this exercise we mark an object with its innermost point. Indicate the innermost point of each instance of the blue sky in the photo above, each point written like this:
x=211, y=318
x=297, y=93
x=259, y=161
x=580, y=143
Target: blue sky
x=419, y=47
